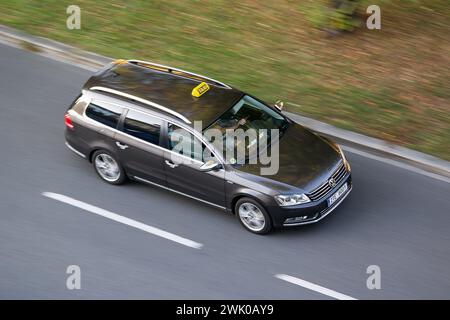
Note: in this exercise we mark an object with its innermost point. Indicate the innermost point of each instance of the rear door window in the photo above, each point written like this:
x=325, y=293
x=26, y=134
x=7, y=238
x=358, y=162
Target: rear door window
x=142, y=126
x=108, y=115
x=185, y=143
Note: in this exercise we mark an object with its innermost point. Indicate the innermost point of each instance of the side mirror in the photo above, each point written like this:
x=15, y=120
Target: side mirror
x=210, y=165
x=279, y=105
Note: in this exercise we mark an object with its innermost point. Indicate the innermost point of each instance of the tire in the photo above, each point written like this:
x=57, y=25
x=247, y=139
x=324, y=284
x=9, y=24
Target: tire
x=108, y=168
x=253, y=216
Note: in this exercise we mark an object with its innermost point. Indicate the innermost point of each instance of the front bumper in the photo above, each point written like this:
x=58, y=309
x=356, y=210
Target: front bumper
x=311, y=212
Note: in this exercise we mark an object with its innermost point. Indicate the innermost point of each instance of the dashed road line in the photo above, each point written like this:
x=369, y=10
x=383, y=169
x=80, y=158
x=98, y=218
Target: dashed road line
x=314, y=287
x=118, y=218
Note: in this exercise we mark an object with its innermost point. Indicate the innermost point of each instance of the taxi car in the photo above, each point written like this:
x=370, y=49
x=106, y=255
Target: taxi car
x=128, y=113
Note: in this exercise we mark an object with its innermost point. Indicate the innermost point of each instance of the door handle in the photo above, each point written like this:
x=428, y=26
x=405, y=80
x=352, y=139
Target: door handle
x=121, y=146
x=171, y=164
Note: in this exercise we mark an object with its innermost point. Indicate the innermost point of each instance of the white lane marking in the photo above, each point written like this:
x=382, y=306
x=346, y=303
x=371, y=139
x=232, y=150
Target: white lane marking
x=397, y=164
x=122, y=219
x=314, y=287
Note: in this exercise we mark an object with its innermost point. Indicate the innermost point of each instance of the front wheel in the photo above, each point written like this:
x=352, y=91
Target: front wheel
x=253, y=216
x=108, y=168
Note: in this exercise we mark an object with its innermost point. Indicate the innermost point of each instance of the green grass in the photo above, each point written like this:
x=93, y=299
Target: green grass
x=393, y=84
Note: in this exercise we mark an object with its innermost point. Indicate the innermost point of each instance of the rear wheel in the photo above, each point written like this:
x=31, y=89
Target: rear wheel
x=253, y=216
x=108, y=168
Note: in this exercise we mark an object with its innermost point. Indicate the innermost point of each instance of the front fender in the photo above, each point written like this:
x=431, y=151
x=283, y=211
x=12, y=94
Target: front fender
x=234, y=193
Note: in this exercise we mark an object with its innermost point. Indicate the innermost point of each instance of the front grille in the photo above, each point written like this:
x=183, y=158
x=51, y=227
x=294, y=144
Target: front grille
x=323, y=190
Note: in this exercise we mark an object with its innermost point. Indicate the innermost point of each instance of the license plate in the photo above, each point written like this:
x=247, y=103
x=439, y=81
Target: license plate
x=337, y=194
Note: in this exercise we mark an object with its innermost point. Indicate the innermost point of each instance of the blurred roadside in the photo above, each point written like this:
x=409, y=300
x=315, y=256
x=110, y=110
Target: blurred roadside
x=390, y=84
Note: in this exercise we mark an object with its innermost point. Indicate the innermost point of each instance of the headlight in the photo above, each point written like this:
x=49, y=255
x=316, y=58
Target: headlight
x=291, y=199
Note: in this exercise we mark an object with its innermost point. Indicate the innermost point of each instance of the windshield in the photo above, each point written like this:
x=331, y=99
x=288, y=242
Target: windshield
x=252, y=121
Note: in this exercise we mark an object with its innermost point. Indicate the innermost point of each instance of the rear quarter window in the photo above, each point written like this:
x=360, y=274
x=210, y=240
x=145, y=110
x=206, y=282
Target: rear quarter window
x=109, y=116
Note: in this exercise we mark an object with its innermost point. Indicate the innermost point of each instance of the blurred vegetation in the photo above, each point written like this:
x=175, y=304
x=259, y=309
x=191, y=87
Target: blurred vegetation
x=336, y=16
x=391, y=83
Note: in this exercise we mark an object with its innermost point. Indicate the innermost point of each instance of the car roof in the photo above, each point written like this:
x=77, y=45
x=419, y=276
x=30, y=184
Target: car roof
x=167, y=88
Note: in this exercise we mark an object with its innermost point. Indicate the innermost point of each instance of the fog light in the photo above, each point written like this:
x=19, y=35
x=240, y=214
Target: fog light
x=296, y=219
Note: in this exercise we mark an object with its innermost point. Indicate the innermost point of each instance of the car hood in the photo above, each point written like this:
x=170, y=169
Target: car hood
x=305, y=160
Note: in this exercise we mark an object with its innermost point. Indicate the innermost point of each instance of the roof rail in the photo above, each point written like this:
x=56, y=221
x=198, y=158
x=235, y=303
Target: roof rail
x=144, y=101
x=168, y=69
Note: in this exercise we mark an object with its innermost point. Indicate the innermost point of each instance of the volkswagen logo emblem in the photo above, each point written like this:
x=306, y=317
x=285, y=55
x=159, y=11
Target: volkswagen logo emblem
x=332, y=183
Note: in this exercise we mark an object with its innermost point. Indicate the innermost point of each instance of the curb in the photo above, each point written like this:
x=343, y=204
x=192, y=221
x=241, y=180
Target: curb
x=52, y=49
x=92, y=61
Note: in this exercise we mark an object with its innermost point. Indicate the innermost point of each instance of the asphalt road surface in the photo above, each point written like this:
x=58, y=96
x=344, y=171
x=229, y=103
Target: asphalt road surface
x=396, y=219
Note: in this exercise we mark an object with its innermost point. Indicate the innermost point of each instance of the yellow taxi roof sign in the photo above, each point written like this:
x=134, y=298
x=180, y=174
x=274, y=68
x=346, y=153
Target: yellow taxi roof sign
x=200, y=89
